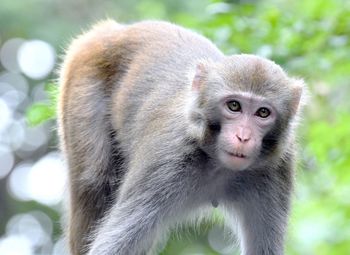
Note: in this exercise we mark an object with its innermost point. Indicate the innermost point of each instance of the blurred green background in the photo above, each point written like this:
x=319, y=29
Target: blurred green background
x=309, y=38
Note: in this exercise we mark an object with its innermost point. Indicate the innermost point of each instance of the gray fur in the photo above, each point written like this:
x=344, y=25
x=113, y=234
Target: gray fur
x=136, y=167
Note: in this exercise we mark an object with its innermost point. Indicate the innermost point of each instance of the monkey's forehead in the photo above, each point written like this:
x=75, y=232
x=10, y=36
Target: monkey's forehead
x=254, y=74
x=248, y=65
x=248, y=60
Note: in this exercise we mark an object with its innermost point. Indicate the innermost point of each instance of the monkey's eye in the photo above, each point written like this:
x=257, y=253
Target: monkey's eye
x=234, y=106
x=263, y=112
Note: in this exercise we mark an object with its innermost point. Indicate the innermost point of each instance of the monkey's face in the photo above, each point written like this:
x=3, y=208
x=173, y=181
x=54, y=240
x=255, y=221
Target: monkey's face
x=242, y=108
x=244, y=121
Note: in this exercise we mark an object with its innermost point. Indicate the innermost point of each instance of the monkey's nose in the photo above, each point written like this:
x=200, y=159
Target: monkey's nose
x=243, y=139
x=243, y=134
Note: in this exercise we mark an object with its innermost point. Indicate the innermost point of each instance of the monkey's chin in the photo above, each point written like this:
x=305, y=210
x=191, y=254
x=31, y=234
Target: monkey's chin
x=234, y=162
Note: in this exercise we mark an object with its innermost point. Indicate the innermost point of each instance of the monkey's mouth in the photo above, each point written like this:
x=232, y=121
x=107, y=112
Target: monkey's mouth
x=236, y=154
x=235, y=160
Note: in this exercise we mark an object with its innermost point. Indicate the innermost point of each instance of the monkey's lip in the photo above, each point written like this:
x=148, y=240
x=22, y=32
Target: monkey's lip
x=236, y=154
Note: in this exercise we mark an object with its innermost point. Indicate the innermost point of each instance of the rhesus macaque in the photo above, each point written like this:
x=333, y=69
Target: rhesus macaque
x=157, y=124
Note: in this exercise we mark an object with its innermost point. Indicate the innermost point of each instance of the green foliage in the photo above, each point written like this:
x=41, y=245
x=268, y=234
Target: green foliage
x=43, y=111
x=310, y=39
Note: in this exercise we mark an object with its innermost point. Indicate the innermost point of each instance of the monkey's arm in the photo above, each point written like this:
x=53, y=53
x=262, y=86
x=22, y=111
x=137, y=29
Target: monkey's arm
x=129, y=229
x=143, y=212
x=262, y=206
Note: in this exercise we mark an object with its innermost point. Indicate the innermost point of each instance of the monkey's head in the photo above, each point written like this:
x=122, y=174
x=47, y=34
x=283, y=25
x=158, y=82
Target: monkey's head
x=243, y=109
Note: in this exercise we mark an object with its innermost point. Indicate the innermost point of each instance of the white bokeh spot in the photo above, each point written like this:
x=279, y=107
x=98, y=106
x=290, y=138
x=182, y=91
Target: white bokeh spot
x=5, y=116
x=15, y=245
x=18, y=184
x=46, y=180
x=8, y=54
x=36, y=59
x=7, y=160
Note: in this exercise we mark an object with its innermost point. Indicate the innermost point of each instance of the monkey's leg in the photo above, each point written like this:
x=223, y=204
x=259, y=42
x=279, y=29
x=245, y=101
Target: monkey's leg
x=262, y=210
x=143, y=212
x=93, y=183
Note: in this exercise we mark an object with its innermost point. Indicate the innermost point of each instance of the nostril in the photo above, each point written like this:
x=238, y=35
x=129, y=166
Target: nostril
x=243, y=139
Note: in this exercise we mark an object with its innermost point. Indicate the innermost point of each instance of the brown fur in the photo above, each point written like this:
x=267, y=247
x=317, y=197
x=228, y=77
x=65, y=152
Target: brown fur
x=130, y=121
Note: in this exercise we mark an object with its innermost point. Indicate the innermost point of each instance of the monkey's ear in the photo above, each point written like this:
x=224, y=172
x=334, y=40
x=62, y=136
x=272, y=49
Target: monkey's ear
x=199, y=75
x=299, y=94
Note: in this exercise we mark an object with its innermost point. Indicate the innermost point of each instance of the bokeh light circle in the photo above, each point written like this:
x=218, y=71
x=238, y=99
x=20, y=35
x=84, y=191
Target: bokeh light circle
x=18, y=182
x=46, y=180
x=220, y=240
x=15, y=245
x=7, y=160
x=5, y=116
x=36, y=59
x=8, y=54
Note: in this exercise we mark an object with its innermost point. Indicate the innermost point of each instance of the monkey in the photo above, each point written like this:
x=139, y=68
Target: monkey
x=157, y=124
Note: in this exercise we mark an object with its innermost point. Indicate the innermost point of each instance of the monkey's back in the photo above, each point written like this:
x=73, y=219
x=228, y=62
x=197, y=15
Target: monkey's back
x=116, y=88
x=116, y=65
x=159, y=58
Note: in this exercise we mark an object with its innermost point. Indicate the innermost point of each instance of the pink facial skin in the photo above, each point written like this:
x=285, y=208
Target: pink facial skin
x=243, y=128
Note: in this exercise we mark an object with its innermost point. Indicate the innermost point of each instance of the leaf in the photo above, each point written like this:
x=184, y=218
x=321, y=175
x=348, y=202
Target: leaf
x=39, y=113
